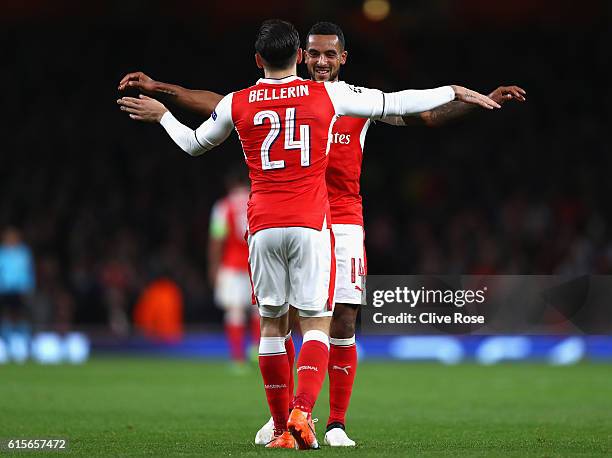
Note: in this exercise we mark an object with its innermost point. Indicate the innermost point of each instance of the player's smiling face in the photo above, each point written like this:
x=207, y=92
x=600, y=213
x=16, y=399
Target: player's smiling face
x=324, y=56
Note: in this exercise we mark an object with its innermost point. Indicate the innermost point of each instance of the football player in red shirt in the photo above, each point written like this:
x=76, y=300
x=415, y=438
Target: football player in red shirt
x=290, y=243
x=228, y=267
x=325, y=54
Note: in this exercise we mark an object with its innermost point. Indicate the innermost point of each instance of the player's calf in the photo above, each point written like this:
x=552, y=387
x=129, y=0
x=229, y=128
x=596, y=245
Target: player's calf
x=311, y=369
x=275, y=370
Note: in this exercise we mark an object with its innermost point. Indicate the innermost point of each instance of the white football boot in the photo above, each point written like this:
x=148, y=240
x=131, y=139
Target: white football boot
x=265, y=434
x=336, y=437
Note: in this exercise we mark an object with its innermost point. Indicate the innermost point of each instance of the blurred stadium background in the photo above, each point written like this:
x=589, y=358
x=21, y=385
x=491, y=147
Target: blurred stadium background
x=105, y=204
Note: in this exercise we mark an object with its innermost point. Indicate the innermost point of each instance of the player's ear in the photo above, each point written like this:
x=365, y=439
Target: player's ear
x=300, y=55
x=343, y=57
x=258, y=60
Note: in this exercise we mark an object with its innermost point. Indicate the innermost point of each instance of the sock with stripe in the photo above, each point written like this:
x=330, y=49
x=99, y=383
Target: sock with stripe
x=341, y=368
x=275, y=373
x=311, y=369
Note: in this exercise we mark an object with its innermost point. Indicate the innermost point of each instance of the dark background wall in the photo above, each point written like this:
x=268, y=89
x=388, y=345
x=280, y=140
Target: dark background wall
x=106, y=202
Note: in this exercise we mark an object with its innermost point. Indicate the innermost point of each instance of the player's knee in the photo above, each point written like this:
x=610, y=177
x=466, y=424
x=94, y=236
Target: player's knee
x=343, y=329
x=273, y=327
x=343, y=322
x=315, y=324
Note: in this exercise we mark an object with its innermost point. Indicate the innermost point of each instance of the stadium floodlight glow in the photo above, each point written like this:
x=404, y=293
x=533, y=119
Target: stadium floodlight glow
x=503, y=348
x=47, y=348
x=447, y=350
x=18, y=348
x=376, y=10
x=76, y=348
x=569, y=351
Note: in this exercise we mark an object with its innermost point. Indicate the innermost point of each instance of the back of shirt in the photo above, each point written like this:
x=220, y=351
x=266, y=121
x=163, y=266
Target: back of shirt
x=284, y=129
x=284, y=126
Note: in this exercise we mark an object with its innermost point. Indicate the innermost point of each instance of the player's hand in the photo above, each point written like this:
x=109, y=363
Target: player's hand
x=505, y=93
x=142, y=108
x=137, y=80
x=466, y=95
x=143, y=83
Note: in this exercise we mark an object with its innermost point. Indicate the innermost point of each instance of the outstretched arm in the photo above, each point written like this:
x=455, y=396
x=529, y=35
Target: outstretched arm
x=197, y=101
x=454, y=110
x=372, y=103
x=211, y=133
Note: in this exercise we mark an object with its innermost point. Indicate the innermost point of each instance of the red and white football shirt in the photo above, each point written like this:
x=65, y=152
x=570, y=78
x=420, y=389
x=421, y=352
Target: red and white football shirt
x=344, y=170
x=229, y=223
x=283, y=126
x=275, y=117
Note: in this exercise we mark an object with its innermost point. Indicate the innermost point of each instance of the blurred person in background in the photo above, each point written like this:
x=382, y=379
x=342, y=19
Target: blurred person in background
x=228, y=266
x=17, y=282
x=115, y=277
x=158, y=314
x=53, y=304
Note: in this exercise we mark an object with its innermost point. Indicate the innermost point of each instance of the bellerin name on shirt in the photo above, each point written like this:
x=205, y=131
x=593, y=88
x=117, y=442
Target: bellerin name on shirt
x=278, y=93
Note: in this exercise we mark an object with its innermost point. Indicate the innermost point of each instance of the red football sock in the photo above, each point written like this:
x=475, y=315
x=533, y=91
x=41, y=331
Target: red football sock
x=290, y=349
x=342, y=367
x=255, y=328
x=275, y=373
x=235, y=338
x=311, y=369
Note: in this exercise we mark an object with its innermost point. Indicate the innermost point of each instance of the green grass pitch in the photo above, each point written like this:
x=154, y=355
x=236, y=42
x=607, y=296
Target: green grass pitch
x=157, y=407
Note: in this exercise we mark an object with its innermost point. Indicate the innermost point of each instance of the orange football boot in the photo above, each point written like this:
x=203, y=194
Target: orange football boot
x=285, y=440
x=301, y=427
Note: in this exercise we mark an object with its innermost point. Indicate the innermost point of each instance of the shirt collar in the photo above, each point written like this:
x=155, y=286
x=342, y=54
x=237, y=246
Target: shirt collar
x=286, y=79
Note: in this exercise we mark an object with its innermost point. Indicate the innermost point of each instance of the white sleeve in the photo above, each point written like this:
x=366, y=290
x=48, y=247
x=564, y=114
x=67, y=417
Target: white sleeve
x=211, y=133
x=355, y=101
x=372, y=103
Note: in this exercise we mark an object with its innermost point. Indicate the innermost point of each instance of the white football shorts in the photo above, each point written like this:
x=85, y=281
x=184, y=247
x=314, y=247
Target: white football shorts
x=292, y=265
x=351, y=267
x=233, y=288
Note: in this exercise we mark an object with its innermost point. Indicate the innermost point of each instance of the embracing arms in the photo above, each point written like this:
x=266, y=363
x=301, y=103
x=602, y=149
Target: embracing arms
x=430, y=104
x=454, y=110
x=197, y=101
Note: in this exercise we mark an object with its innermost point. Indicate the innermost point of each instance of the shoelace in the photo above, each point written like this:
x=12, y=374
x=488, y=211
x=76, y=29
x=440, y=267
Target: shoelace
x=314, y=420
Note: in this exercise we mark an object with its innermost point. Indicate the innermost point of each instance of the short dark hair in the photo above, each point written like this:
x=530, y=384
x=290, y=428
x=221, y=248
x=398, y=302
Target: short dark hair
x=277, y=43
x=327, y=28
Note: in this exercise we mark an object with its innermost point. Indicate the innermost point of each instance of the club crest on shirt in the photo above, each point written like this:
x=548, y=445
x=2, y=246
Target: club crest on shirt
x=214, y=115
